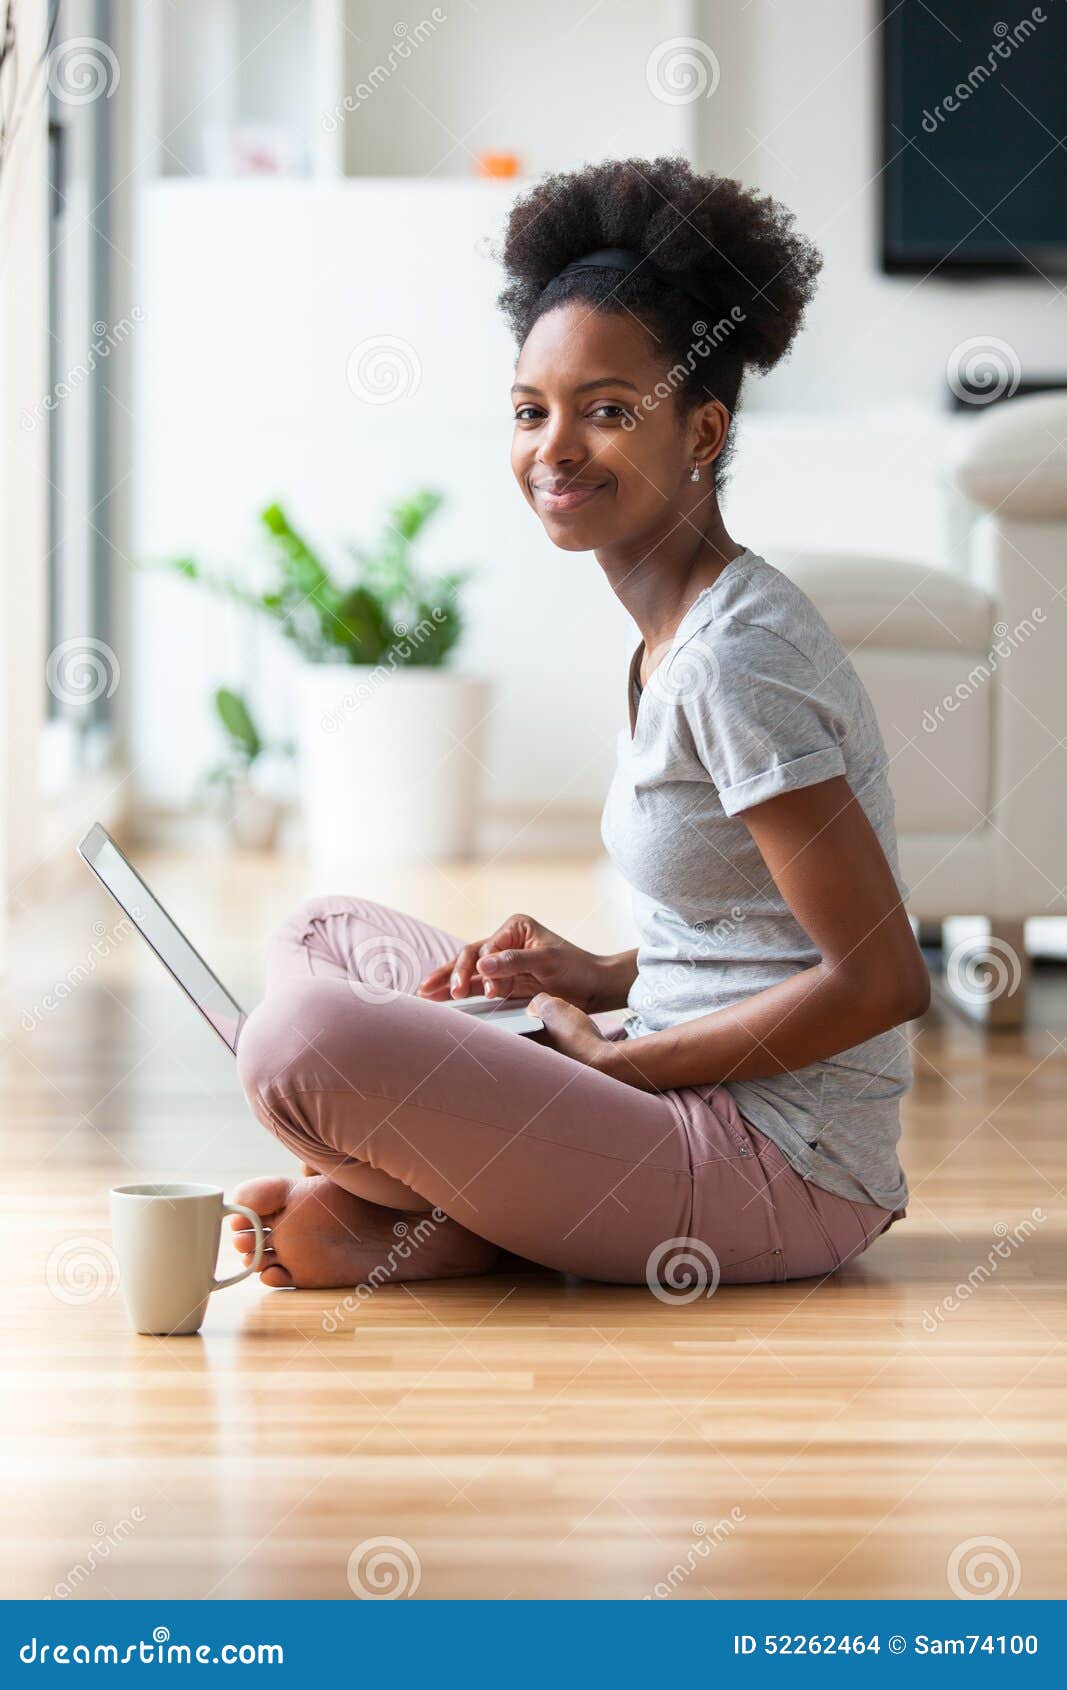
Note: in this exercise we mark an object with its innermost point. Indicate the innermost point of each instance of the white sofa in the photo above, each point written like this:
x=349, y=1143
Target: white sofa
x=969, y=682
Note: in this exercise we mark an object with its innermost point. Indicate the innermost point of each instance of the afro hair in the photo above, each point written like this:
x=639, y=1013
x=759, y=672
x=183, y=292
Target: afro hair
x=734, y=248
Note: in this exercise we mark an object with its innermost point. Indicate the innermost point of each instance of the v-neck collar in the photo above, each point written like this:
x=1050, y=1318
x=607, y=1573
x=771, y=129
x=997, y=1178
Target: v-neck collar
x=634, y=689
x=635, y=692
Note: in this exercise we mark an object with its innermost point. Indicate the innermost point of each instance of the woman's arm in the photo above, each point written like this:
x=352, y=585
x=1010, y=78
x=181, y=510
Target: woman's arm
x=832, y=872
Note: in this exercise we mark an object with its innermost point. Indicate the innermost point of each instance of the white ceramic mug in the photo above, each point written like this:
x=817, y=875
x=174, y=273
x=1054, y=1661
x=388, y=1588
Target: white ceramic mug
x=167, y=1244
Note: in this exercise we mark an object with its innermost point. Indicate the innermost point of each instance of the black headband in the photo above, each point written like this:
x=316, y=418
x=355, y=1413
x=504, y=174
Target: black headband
x=627, y=260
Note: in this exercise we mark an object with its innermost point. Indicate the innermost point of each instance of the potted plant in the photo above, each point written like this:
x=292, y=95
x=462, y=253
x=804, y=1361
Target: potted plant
x=252, y=813
x=388, y=737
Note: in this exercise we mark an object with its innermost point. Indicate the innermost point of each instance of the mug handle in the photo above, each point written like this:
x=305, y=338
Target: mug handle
x=261, y=1245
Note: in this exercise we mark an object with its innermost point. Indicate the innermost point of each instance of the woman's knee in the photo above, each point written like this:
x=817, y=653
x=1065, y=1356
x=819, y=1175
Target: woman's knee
x=323, y=906
x=281, y=1040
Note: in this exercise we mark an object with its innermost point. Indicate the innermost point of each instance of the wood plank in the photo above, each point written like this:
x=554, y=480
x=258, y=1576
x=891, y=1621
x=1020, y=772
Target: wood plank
x=527, y=1435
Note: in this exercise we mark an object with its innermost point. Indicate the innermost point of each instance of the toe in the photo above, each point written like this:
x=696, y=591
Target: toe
x=275, y=1275
x=244, y=1239
x=266, y=1196
x=248, y=1255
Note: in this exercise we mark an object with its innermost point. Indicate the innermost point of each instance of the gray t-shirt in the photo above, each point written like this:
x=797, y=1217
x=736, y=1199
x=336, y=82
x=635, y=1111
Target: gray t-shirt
x=756, y=696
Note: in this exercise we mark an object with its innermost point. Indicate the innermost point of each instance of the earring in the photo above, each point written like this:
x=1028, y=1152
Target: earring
x=694, y=473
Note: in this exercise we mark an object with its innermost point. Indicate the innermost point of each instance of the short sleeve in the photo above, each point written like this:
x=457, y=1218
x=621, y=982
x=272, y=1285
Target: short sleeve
x=765, y=722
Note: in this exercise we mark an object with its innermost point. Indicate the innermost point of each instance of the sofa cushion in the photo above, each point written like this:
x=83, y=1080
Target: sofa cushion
x=880, y=602
x=1015, y=458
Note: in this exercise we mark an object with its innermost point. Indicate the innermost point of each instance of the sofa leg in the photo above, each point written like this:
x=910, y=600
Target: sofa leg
x=986, y=977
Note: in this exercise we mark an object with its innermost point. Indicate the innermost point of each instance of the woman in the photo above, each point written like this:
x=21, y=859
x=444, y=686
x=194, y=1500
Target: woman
x=747, y=1113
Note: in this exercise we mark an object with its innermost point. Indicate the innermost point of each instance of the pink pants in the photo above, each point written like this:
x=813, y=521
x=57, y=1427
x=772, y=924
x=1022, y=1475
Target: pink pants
x=410, y=1104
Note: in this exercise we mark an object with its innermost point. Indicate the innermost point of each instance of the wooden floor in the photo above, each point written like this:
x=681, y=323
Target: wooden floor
x=522, y=1436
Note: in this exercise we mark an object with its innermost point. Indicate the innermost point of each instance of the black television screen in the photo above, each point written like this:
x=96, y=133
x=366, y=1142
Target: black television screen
x=974, y=136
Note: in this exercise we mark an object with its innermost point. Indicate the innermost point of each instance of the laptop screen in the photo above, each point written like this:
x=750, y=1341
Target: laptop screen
x=166, y=939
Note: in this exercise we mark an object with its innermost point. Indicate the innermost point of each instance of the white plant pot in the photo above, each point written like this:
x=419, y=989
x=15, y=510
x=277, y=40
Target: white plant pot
x=252, y=818
x=390, y=762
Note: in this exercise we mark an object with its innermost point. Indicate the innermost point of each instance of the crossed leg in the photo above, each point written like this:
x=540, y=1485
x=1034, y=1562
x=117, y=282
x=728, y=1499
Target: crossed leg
x=404, y=1107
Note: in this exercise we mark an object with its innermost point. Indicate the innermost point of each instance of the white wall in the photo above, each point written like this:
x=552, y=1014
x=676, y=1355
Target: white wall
x=796, y=115
x=254, y=295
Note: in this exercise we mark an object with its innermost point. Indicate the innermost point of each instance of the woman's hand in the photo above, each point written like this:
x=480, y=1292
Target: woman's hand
x=523, y=957
x=571, y=1032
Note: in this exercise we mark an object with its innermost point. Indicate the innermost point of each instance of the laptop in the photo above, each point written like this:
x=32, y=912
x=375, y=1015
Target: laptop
x=201, y=986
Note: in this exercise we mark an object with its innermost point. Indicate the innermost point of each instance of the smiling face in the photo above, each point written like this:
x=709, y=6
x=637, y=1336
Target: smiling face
x=598, y=456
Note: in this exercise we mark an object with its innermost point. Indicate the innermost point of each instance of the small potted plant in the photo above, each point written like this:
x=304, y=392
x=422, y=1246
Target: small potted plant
x=252, y=813
x=389, y=737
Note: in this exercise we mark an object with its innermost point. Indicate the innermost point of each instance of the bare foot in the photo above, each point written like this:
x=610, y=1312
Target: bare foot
x=321, y=1235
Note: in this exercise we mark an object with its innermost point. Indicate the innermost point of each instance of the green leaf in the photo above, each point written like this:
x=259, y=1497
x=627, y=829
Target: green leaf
x=305, y=579
x=236, y=718
x=410, y=516
x=436, y=628
x=361, y=624
x=330, y=622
